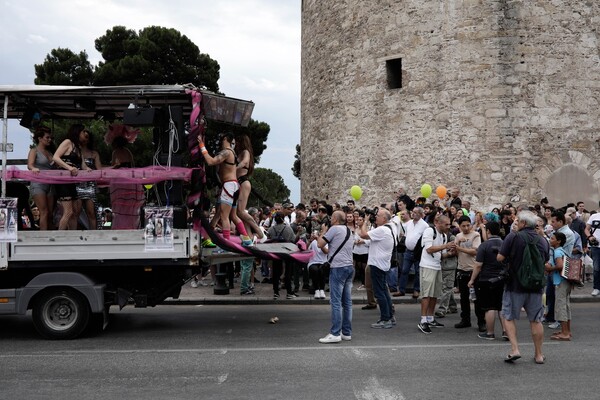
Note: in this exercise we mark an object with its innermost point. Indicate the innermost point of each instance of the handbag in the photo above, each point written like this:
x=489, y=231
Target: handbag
x=573, y=270
x=327, y=264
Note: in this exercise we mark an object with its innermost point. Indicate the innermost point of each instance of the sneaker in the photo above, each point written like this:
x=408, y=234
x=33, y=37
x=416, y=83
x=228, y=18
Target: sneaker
x=435, y=324
x=452, y=311
x=247, y=243
x=218, y=250
x=595, y=292
x=424, y=327
x=382, y=325
x=346, y=337
x=393, y=320
x=194, y=283
x=463, y=324
x=317, y=294
x=323, y=295
x=247, y=292
x=505, y=336
x=361, y=287
x=290, y=296
x=439, y=314
x=275, y=296
x=486, y=336
x=369, y=307
x=331, y=339
x=554, y=325
x=208, y=244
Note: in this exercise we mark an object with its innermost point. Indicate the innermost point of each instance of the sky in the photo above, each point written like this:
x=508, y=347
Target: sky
x=256, y=43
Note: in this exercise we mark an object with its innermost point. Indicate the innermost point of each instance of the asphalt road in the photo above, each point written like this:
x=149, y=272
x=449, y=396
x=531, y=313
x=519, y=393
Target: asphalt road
x=232, y=352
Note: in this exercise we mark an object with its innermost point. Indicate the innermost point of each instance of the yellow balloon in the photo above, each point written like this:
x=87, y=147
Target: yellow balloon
x=426, y=190
x=356, y=192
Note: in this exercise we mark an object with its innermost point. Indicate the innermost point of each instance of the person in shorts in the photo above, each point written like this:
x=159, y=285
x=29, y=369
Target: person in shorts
x=488, y=279
x=435, y=241
x=515, y=296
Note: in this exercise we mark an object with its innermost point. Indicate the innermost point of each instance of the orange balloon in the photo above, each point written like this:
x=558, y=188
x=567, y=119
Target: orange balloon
x=441, y=191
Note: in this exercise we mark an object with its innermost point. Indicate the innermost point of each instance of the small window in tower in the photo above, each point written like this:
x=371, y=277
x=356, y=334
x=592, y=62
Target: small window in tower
x=394, y=73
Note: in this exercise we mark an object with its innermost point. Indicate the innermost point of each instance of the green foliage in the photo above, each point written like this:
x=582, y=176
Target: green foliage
x=63, y=67
x=156, y=55
x=296, y=166
x=269, y=185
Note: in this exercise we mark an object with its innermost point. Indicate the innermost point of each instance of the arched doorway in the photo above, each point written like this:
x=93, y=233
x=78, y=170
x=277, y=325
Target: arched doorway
x=571, y=183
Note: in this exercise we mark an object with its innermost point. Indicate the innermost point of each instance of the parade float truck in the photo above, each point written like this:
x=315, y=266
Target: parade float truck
x=71, y=278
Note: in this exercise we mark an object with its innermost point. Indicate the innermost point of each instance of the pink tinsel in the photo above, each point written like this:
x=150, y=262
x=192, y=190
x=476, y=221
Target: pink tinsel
x=119, y=130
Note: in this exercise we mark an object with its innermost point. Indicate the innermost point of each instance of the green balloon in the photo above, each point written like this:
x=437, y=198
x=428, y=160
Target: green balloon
x=426, y=190
x=356, y=192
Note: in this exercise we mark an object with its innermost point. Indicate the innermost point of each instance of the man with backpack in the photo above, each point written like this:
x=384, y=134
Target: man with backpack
x=526, y=253
x=412, y=256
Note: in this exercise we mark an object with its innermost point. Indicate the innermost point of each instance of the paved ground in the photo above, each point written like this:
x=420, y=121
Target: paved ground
x=233, y=352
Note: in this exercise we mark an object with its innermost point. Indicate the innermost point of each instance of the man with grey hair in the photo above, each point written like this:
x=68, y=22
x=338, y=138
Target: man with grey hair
x=414, y=230
x=379, y=261
x=515, y=295
x=341, y=272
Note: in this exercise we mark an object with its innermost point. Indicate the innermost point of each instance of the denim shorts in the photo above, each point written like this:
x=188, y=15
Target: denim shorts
x=36, y=188
x=512, y=302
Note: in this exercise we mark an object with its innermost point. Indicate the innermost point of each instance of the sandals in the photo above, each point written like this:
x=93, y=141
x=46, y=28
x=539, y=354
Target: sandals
x=510, y=358
x=540, y=361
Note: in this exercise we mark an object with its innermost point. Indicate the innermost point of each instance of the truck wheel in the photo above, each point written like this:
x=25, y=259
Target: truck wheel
x=61, y=314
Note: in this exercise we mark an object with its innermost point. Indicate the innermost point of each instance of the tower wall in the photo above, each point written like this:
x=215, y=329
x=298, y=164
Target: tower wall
x=498, y=98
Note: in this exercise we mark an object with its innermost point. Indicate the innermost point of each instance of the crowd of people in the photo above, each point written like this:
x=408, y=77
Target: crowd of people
x=445, y=248
x=75, y=205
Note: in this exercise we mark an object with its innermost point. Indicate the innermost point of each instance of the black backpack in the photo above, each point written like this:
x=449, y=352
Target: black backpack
x=531, y=272
x=418, y=251
x=395, y=250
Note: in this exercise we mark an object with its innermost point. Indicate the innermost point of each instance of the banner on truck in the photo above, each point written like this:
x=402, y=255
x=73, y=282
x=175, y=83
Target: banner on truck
x=158, y=231
x=9, y=219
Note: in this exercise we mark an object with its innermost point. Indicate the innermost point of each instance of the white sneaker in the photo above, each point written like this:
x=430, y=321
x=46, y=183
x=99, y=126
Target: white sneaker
x=554, y=325
x=331, y=339
x=344, y=337
x=322, y=294
x=595, y=292
x=194, y=283
x=317, y=294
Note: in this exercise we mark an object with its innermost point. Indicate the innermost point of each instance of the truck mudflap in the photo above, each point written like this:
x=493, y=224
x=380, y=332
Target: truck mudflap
x=94, y=293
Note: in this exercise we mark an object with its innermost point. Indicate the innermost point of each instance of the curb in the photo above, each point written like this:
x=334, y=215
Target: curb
x=262, y=300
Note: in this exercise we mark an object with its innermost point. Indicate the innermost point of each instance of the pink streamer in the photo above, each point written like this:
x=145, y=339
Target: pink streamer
x=147, y=175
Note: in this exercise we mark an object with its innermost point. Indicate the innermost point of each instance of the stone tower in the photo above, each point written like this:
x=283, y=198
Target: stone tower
x=497, y=97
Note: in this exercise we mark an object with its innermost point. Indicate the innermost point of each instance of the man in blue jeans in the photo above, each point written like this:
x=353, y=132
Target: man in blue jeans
x=339, y=248
x=380, y=256
x=414, y=230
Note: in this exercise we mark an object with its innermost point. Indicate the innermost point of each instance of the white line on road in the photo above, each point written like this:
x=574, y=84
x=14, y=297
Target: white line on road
x=256, y=349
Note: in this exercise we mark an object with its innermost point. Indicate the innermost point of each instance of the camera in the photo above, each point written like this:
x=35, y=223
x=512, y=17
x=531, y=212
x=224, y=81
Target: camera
x=372, y=213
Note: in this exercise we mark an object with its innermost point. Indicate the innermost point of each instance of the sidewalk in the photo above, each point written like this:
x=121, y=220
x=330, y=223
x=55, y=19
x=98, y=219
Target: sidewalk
x=264, y=295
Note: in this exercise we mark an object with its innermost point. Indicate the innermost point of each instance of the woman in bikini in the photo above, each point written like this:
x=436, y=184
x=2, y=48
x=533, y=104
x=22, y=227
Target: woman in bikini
x=227, y=162
x=245, y=167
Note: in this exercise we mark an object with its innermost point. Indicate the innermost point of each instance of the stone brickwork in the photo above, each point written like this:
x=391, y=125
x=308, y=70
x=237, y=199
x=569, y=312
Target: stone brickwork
x=498, y=98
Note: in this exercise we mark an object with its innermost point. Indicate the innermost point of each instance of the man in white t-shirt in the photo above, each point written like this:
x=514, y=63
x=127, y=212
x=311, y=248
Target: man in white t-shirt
x=435, y=240
x=379, y=261
x=414, y=230
x=593, y=225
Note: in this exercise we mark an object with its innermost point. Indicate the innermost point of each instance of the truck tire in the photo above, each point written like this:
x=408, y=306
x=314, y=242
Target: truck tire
x=61, y=314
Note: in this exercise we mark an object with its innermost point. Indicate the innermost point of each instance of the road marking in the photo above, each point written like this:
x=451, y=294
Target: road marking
x=338, y=347
x=373, y=390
